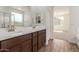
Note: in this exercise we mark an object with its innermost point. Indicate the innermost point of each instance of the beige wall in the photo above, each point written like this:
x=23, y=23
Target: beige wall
x=66, y=22
x=62, y=11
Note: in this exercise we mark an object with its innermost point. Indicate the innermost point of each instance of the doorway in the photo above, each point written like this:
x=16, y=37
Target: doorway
x=61, y=22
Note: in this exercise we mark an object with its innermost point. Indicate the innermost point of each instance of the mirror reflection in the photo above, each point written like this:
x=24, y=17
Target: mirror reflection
x=17, y=19
x=4, y=19
x=21, y=16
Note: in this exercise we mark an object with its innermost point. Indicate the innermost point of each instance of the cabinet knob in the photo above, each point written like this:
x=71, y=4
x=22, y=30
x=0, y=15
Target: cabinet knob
x=4, y=50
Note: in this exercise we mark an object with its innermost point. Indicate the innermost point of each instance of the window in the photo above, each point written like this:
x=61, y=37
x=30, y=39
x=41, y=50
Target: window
x=59, y=20
x=17, y=19
x=58, y=23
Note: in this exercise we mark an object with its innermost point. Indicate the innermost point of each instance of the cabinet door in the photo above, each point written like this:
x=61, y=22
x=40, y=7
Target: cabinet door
x=16, y=48
x=34, y=42
x=41, y=39
x=12, y=44
x=26, y=46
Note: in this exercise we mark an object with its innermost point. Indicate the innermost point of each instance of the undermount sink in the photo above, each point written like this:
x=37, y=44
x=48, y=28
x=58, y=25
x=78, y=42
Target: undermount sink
x=16, y=33
x=13, y=32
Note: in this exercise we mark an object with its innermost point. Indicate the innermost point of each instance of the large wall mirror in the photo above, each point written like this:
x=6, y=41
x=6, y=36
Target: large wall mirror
x=20, y=16
x=4, y=19
x=11, y=16
x=17, y=19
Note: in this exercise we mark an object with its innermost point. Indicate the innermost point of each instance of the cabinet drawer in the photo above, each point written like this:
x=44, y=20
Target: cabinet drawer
x=28, y=35
x=42, y=32
x=35, y=34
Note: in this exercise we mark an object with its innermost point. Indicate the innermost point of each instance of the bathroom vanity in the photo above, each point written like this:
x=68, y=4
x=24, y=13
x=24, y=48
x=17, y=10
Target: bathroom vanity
x=27, y=42
x=22, y=30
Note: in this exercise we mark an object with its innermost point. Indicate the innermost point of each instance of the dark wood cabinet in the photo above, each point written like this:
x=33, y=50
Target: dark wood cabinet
x=34, y=42
x=25, y=43
x=16, y=48
x=41, y=38
x=26, y=46
x=17, y=44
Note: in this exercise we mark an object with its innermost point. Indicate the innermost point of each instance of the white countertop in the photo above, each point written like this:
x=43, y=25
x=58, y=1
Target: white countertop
x=4, y=34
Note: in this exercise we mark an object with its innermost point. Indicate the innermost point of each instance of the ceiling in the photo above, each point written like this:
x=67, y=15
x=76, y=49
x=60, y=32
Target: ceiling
x=32, y=8
x=58, y=10
x=22, y=8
